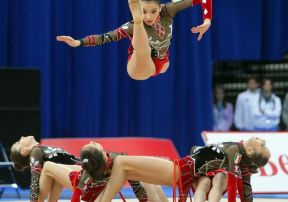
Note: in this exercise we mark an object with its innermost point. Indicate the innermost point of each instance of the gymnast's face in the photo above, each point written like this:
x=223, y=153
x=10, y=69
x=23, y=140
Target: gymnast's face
x=151, y=11
x=258, y=145
x=23, y=144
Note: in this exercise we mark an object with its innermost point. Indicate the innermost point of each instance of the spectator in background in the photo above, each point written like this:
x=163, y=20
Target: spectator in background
x=245, y=104
x=285, y=111
x=268, y=111
x=222, y=111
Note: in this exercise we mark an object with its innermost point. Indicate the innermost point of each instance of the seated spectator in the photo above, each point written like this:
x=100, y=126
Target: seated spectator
x=222, y=111
x=268, y=112
x=245, y=103
x=285, y=111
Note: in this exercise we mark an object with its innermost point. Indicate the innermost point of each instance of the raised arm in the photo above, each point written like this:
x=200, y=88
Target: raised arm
x=206, y=7
x=36, y=163
x=122, y=32
x=178, y=5
x=175, y=6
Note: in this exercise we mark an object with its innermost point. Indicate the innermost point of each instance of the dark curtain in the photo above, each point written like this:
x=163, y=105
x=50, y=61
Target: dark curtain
x=86, y=92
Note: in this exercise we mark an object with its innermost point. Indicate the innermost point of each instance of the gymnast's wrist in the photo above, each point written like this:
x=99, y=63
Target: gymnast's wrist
x=207, y=20
x=81, y=42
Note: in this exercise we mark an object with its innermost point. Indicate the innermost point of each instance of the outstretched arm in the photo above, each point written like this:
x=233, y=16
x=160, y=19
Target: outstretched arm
x=93, y=40
x=178, y=5
x=201, y=29
x=207, y=16
x=206, y=7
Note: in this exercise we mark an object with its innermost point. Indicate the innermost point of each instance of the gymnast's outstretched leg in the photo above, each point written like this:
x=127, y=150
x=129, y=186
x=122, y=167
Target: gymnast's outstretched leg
x=141, y=65
x=139, y=168
x=59, y=173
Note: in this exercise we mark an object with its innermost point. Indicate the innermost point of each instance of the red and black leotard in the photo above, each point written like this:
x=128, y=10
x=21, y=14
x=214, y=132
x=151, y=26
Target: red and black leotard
x=227, y=157
x=88, y=189
x=159, y=34
x=38, y=156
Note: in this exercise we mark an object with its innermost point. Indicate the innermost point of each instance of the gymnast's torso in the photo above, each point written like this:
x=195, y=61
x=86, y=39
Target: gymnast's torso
x=223, y=157
x=92, y=188
x=159, y=34
x=38, y=156
x=226, y=155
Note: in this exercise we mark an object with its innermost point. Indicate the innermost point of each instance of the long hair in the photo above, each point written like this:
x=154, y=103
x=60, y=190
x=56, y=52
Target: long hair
x=93, y=162
x=259, y=160
x=265, y=80
x=218, y=86
x=20, y=162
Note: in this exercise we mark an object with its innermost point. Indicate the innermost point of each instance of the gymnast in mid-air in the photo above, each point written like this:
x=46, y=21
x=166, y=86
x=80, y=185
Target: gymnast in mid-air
x=150, y=33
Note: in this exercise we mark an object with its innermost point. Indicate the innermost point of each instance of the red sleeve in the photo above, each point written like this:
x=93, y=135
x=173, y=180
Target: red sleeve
x=122, y=32
x=206, y=7
x=76, y=195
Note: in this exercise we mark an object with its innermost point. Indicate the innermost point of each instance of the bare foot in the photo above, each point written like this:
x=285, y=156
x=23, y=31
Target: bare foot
x=136, y=10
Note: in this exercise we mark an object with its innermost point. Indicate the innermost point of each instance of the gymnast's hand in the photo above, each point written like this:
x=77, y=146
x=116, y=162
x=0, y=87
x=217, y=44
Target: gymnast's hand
x=201, y=29
x=69, y=40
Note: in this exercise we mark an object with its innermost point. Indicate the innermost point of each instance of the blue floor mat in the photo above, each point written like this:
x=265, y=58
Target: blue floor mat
x=10, y=193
